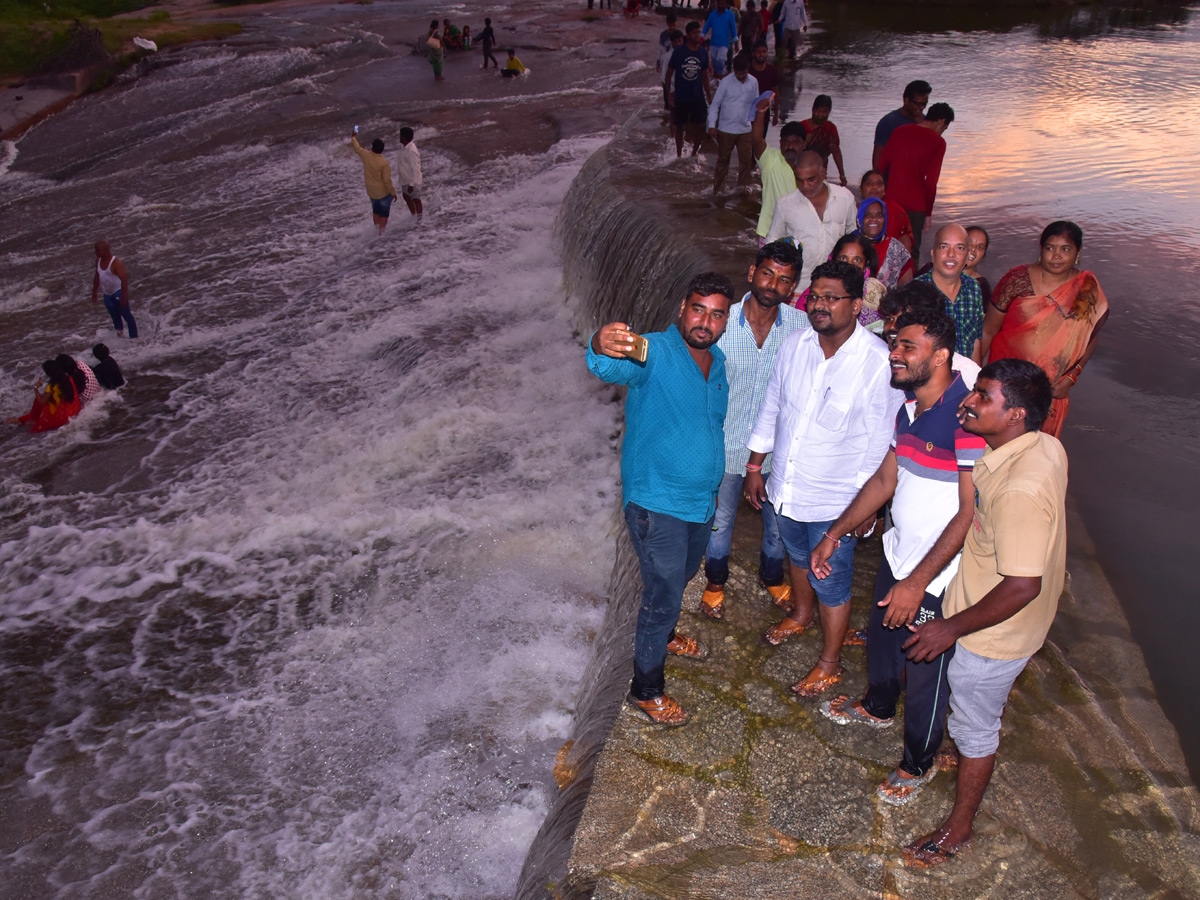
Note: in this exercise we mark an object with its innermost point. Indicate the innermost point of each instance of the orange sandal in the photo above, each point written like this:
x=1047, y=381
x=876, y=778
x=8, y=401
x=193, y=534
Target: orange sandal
x=687, y=647
x=781, y=595
x=817, y=681
x=712, y=603
x=782, y=630
x=662, y=710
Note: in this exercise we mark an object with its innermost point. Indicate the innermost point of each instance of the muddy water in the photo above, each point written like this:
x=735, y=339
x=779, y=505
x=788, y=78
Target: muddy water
x=315, y=576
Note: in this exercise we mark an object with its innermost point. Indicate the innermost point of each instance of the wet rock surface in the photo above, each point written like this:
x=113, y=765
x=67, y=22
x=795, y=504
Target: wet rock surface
x=759, y=795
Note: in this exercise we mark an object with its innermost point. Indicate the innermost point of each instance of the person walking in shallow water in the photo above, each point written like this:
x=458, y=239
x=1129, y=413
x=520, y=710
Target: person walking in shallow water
x=408, y=172
x=377, y=175
x=113, y=281
x=487, y=38
x=434, y=49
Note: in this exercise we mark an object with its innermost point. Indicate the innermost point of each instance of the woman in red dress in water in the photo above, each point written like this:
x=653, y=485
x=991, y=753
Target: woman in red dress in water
x=1050, y=313
x=55, y=405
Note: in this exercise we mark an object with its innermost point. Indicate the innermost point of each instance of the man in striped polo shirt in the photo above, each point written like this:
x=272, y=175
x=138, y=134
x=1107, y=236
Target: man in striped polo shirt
x=927, y=475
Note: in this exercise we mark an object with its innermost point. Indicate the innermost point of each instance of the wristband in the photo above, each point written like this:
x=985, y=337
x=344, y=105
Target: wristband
x=752, y=468
x=837, y=541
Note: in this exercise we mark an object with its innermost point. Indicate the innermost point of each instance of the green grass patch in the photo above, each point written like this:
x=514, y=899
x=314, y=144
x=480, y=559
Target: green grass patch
x=32, y=38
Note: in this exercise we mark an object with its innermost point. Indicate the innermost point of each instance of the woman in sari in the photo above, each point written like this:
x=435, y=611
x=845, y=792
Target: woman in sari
x=895, y=262
x=1050, y=313
x=859, y=252
x=899, y=225
x=55, y=405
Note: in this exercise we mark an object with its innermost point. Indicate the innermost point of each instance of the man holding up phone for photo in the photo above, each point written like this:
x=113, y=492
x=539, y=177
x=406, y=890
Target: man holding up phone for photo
x=672, y=461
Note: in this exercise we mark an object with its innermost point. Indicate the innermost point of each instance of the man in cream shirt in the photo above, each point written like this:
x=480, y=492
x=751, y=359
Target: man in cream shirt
x=1001, y=602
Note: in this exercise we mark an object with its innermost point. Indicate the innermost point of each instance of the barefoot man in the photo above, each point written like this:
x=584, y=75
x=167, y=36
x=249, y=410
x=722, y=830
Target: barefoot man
x=113, y=282
x=1002, y=600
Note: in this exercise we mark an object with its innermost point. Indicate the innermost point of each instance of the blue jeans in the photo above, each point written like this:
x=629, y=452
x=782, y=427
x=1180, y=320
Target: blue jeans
x=669, y=551
x=119, y=311
x=716, y=557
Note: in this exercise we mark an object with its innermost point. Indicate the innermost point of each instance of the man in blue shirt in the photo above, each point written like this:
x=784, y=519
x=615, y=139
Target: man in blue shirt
x=720, y=28
x=672, y=460
x=757, y=328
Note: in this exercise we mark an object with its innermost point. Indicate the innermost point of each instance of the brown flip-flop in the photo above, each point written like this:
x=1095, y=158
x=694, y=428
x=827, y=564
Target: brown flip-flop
x=817, y=681
x=783, y=630
x=661, y=710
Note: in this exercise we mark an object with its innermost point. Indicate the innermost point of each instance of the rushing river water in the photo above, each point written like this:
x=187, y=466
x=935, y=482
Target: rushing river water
x=302, y=612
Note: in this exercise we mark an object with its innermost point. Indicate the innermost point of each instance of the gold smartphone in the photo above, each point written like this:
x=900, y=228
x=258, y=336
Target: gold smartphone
x=641, y=347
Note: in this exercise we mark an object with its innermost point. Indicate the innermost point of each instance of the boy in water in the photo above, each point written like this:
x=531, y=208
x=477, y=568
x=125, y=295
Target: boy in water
x=513, y=67
x=106, y=370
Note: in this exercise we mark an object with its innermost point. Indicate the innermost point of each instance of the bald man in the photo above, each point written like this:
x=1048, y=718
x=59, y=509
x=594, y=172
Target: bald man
x=964, y=299
x=112, y=279
x=814, y=215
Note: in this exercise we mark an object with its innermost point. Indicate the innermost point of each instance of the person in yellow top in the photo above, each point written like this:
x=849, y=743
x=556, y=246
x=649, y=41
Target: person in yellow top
x=513, y=67
x=377, y=175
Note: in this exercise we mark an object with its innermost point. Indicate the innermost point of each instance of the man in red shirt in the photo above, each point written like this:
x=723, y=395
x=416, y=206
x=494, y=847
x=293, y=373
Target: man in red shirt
x=912, y=162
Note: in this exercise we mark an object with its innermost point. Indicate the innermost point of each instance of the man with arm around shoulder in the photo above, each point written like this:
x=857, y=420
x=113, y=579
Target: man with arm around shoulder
x=927, y=476
x=1001, y=603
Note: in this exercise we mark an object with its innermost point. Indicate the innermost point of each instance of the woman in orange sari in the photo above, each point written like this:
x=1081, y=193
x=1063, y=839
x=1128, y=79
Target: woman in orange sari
x=1049, y=313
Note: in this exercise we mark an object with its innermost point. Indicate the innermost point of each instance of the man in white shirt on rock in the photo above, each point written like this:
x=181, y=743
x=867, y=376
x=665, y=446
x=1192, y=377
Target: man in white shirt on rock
x=827, y=418
x=815, y=215
x=408, y=172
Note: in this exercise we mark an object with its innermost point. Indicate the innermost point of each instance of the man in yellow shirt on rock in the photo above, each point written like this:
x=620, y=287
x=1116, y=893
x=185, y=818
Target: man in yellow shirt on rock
x=1001, y=602
x=377, y=175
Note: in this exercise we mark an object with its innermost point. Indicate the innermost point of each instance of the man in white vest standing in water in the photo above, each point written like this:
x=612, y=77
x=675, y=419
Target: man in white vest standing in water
x=113, y=281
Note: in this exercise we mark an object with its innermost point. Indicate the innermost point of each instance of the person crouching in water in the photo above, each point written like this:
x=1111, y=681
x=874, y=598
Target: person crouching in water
x=513, y=67
x=55, y=405
x=106, y=370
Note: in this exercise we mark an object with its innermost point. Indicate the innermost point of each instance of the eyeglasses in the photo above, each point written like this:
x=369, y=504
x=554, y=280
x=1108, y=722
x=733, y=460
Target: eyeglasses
x=827, y=298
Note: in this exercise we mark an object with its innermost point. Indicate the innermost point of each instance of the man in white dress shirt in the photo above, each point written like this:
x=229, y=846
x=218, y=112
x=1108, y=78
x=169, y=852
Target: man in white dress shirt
x=408, y=172
x=815, y=215
x=827, y=418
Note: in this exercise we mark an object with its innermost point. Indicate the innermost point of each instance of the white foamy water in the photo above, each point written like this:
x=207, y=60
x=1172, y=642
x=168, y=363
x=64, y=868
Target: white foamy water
x=302, y=611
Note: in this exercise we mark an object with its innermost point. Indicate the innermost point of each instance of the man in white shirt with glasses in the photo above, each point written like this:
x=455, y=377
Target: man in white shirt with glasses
x=827, y=419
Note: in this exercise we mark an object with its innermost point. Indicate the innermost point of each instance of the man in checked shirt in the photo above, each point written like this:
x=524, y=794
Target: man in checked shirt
x=757, y=326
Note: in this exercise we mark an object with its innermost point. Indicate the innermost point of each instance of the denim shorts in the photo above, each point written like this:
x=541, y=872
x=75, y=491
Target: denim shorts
x=979, y=689
x=382, y=207
x=800, y=538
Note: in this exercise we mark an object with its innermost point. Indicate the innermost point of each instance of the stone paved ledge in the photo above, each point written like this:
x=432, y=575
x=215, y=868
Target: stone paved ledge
x=760, y=796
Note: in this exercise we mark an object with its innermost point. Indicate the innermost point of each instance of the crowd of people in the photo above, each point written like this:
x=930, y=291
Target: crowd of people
x=69, y=384
x=849, y=387
x=444, y=36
